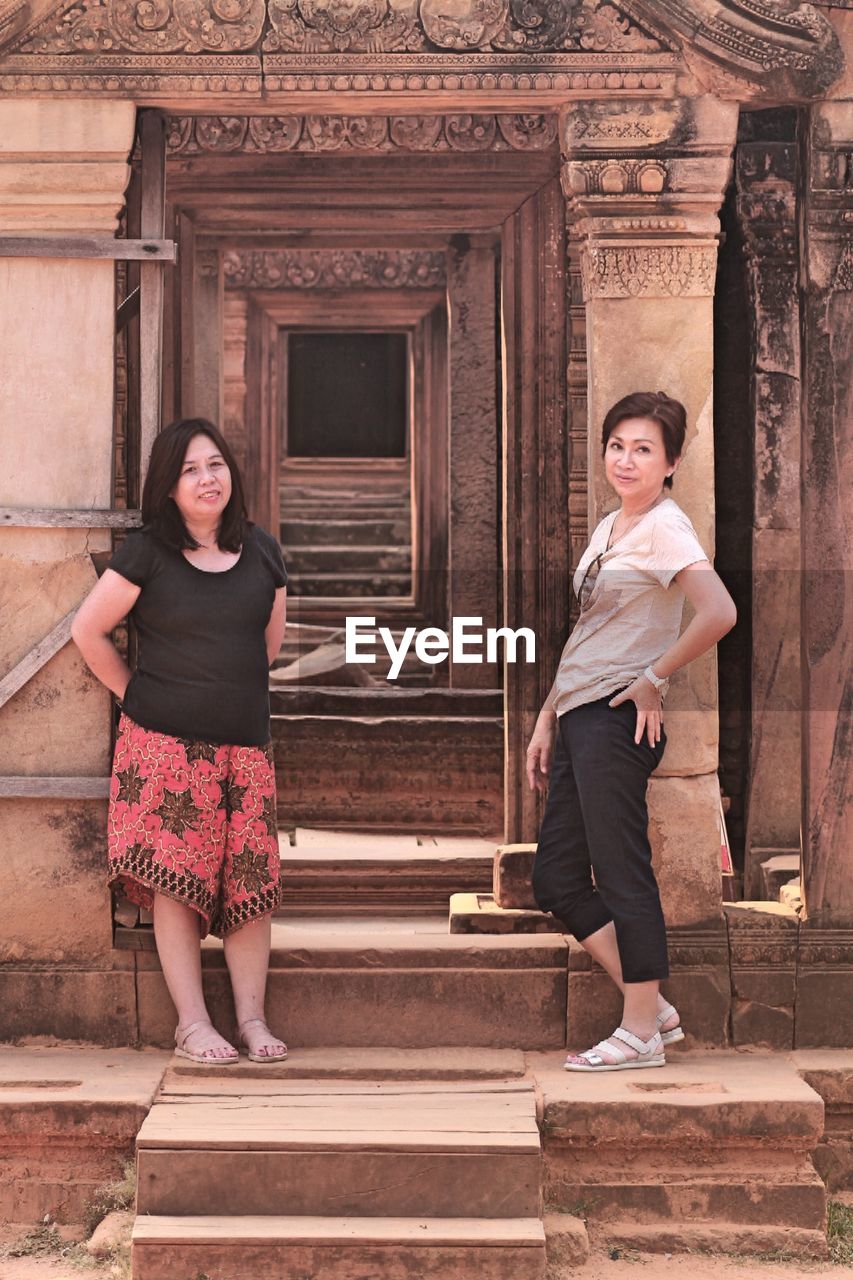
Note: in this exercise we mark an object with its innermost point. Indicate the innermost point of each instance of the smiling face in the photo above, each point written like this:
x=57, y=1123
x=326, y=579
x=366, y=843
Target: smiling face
x=635, y=461
x=204, y=485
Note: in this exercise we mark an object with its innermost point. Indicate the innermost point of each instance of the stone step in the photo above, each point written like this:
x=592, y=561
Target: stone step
x=332, y=1248
x=435, y=1065
x=426, y=773
x=711, y=1140
x=372, y=1149
x=351, y=873
x=382, y=558
x=368, y=531
x=387, y=701
x=350, y=585
x=369, y=982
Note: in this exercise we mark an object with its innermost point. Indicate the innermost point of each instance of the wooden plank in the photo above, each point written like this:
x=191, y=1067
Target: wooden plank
x=54, y=788
x=67, y=518
x=154, y=250
x=36, y=658
x=151, y=284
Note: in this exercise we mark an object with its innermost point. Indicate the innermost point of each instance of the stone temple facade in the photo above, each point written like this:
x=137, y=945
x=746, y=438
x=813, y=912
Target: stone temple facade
x=534, y=191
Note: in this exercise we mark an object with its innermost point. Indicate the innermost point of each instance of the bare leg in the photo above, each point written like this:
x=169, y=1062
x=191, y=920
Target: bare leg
x=177, y=934
x=642, y=1000
x=247, y=954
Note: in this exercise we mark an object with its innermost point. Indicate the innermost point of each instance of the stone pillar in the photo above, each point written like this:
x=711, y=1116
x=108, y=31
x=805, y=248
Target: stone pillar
x=644, y=180
x=767, y=210
x=63, y=171
x=827, y=446
x=474, y=481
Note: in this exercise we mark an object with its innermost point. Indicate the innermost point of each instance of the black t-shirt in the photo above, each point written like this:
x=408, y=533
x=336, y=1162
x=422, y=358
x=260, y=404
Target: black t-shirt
x=202, y=669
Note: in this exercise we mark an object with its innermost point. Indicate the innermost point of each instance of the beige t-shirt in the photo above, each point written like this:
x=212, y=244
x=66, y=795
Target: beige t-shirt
x=633, y=614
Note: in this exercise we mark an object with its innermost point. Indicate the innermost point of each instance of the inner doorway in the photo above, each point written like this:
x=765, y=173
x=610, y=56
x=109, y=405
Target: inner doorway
x=455, y=255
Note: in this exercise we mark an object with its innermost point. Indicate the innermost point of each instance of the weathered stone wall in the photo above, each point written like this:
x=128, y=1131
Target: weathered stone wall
x=63, y=169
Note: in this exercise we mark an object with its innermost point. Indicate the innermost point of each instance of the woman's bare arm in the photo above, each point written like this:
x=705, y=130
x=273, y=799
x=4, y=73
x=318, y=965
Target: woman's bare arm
x=110, y=600
x=714, y=615
x=274, y=632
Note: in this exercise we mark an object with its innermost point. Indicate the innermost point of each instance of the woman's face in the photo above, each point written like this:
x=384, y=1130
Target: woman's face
x=635, y=461
x=204, y=485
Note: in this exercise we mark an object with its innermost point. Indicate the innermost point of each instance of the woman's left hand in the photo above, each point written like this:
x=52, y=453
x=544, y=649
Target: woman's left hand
x=649, y=712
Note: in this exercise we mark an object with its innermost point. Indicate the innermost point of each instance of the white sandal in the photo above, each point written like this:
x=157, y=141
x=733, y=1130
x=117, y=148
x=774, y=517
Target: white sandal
x=649, y=1054
x=206, y=1057
x=260, y=1057
x=675, y=1033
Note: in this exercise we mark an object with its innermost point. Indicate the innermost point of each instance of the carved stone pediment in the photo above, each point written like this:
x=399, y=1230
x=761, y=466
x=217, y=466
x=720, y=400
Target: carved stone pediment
x=321, y=26
x=785, y=50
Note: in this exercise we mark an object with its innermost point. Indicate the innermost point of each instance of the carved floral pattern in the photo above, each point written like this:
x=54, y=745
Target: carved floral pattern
x=658, y=271
x=334, y=268
x=601, y=26
x=461, y=132
x=615, y=177
x=152, y=26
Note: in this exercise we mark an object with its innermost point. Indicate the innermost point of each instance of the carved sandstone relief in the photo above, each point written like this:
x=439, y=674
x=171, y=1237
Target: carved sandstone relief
x=784, y=47
x=334, y=268
x=642, y=271
x=190, y=135
x=319, y=26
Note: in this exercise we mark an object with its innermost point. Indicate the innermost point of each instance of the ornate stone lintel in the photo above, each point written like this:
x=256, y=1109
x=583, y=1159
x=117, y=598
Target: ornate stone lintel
x=334, y=269
x=467, y=132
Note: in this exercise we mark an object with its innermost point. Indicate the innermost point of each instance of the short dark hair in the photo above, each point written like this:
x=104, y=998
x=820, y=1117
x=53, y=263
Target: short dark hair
x=669, y=414
x=160, y=513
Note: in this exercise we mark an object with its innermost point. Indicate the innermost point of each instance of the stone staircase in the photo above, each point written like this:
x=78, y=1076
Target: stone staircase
x=347, y=545
x=337, y=1179
x=423, y=1119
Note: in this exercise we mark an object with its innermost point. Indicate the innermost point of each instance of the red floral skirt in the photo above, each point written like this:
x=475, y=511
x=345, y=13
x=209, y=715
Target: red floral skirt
x=194, y=821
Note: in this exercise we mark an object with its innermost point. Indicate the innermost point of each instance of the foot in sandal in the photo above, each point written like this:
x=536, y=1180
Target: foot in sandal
x=201, y=1042
x=622, y=1051
x=669, y=1024
x=260, y=1043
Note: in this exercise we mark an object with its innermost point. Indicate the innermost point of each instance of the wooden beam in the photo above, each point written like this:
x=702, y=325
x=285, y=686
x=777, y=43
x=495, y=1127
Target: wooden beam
x=128, y=309
x=36, y=658
x=61, y=518
x=153, y=250
x=152, y=127
x=20, y=788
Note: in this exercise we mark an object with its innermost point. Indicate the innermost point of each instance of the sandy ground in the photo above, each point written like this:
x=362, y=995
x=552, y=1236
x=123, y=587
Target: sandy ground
x=643, y=1266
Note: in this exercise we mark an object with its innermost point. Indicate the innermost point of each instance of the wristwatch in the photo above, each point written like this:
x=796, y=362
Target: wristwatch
x=658, y=681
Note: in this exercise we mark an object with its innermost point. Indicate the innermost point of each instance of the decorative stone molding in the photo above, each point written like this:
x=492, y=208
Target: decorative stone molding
x=316, y=26
x=334, y=269
x=784, y=48
x=643, y=270
x=617, y=177
x=191, y=135
x=738, y=48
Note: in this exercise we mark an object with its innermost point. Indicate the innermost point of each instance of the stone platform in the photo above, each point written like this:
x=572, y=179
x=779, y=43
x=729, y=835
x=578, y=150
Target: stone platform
x=442, y=1158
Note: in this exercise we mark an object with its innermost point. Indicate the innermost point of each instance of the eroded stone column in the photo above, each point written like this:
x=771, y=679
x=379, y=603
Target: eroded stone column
x=644, y=180
x=63, y=170
x=767, y=208
x=827, y=420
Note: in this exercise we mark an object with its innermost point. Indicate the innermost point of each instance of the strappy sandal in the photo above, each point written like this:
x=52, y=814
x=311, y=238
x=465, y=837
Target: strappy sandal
x=675, y=1033
x=649, y=1054
x=206, y=1057
x=259, y=1057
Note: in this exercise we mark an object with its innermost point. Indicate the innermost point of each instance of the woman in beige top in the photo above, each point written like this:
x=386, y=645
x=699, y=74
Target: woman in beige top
x=600, y=733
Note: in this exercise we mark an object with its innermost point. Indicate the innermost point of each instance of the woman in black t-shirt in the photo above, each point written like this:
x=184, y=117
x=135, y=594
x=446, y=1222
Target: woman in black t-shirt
x=193, y=833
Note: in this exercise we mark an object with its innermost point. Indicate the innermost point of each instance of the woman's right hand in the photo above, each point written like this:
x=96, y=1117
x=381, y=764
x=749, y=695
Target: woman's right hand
x=541, y=749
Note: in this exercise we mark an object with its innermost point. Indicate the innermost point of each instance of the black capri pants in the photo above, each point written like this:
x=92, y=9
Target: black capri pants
x=596, y=825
